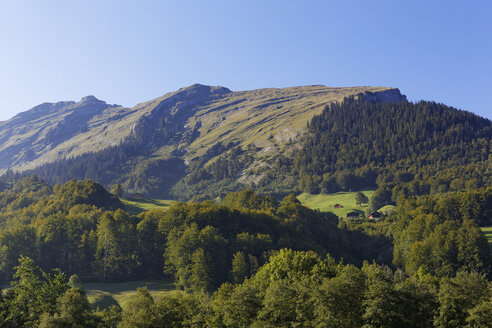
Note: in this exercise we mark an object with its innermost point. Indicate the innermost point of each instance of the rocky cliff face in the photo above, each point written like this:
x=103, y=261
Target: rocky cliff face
x=386, y=96
x=166, y=123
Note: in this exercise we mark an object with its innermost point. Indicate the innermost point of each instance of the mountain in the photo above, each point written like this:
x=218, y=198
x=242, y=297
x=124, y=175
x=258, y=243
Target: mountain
x=151, y=147
x=35, y=135
x=204, y=142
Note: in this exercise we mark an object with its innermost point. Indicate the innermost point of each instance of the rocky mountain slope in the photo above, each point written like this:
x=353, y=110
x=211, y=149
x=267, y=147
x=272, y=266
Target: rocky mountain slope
x=156, y=142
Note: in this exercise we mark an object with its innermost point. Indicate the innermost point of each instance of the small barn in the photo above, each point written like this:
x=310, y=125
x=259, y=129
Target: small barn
x=375, y=216
x=353, y=215
x=337, y=206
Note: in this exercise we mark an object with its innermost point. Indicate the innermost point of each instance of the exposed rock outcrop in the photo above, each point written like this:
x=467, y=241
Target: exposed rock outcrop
x=386, y=96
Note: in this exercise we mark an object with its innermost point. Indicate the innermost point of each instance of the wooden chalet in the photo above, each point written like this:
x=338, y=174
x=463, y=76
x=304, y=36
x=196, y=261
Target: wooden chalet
x=375, y=216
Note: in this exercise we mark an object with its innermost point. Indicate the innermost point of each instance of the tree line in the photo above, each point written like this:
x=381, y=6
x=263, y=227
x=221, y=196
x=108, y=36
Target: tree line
x=356, y=145
x=293, y=289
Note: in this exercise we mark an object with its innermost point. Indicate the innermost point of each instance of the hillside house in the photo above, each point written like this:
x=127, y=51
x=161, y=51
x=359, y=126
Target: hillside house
x=375, y=216
x=337, y=206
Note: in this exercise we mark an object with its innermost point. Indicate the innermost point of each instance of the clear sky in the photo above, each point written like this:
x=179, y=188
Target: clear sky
x=126, y=52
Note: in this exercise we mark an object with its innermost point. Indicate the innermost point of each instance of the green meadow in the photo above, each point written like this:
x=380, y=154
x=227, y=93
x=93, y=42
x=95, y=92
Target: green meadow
x=102, y=295
x=138, y=205
x=326, y=203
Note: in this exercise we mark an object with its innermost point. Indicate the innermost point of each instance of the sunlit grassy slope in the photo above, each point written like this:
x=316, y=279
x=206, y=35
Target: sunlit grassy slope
x=136, y=205
x=488, y=234
x=103, y=295
x=325, y=203
x=268, y=118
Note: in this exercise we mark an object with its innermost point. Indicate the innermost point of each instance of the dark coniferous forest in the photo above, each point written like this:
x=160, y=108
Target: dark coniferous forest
x=419, y=148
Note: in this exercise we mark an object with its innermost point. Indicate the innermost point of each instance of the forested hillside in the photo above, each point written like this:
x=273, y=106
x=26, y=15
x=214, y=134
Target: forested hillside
x=82, y=229
x=397, y=148
x=245, y=252
x=403, y=148
x=249, y=262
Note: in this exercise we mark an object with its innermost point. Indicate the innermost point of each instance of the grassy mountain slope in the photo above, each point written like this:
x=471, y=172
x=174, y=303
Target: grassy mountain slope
x=42, y=131
x=150, y=147
x=203, y=142
x=268, y=118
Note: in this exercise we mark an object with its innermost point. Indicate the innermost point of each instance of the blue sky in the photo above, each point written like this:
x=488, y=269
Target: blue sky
x=127, y=52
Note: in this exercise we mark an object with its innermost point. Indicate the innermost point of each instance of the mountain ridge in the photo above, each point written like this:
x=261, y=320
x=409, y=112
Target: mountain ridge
x=97, y=113
x=189, y=127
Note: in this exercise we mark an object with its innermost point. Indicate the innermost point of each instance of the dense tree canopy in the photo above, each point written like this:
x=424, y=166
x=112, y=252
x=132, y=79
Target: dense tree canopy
x=81, y=229
x=357, y=144
x=252, y=261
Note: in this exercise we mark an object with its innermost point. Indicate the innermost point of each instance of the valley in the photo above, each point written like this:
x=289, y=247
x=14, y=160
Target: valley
x=246, y=164
x=183, y=209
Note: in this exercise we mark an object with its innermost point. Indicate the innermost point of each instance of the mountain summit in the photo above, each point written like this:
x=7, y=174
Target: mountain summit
x=91, y=100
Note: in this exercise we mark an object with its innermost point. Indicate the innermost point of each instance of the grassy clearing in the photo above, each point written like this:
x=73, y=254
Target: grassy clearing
x=325, y=203
x=103, y=295
x=488, y=234
x=136, y=205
